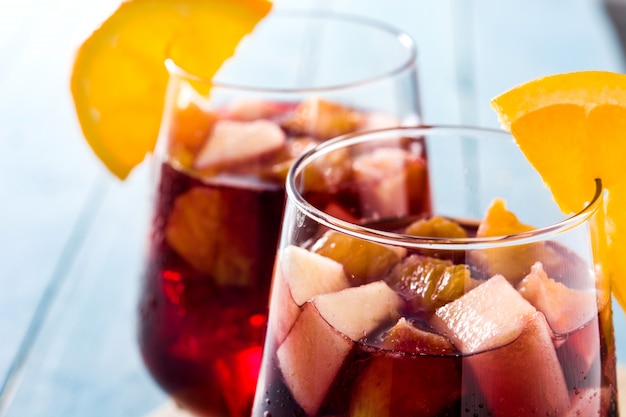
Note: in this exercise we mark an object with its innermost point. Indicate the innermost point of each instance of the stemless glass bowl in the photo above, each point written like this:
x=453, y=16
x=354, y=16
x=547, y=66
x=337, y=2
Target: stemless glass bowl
x=392, y=297
x=223, y=153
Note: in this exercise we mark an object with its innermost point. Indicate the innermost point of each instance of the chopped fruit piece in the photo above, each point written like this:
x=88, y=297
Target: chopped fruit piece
x=436, y=227
x=497, y=326
x=233, y=142
x=514, y=262
x=190, y=126
x=328, y=171
x=499, y=221
x=248, y=109
x=382, y=181
x=429, y=283
x=309, y=274
x=280, y=164
x=363, y=261
x=372, y=121
x=194, y=231
x=475, y=325
x=283, y=309
x=405, y=337
x=357, y=311
x=502, y=374
x=119, y=80
x=404, y=385
x=580, y=356
x=310, y=358
x=558, y=122
x=323, y=119
x=565, y=309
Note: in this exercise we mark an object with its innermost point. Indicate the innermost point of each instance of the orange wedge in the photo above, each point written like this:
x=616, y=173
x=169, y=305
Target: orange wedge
x=119, y=79
x=572, y=129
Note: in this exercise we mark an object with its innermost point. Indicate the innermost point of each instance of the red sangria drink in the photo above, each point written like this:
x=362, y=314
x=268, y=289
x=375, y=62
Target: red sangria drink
x=220, y=167
x=380, y=307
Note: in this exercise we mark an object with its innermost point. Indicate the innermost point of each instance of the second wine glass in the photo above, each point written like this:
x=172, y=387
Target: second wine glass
x=224, y=150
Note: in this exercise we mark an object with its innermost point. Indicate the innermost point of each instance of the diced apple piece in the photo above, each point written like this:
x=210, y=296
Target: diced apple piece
x=580, y=359
x=283, y=309
x=405, y=337
x=377, y=120
x=490, y=316
x=382, y=182
x=512, y=355
x=310, y=357
x=309, y=274
x=356, y=311
x=233, y=142
x=323, y=119
x=406, y=385
x=249, y=109
x=565, y=309
x=362, y=261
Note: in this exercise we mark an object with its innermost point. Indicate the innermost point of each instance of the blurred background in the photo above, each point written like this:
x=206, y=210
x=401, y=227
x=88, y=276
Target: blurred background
x=71, y=235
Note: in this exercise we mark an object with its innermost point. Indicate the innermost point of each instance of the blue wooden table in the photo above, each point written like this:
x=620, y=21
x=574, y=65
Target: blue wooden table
x=71, y=235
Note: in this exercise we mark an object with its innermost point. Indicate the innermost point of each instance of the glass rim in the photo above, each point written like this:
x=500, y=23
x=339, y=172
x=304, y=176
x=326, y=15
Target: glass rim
x=418, y=242
x=403, y=38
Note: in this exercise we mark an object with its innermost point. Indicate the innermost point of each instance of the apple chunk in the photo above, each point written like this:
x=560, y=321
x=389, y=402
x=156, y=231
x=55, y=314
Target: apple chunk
x=513, y=358
x=233, y=142
x=310, y=357
x=357, y=311
x=381, y=178
x=565, y=309
x=308, y=274
x=489, y=316
x=283, y=310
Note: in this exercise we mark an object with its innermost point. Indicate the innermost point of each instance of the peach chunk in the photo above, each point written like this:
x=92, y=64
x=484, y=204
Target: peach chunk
x=310, y=357
x=234, y=142
x=308, y=274
x=513, y=358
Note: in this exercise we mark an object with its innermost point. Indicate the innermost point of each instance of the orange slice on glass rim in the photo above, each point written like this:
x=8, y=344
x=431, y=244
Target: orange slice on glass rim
x=119, y=78
x=572, y=129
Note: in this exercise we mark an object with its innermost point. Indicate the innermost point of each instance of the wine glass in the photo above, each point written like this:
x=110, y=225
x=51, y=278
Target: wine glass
x=427, y=271
x=223, y=153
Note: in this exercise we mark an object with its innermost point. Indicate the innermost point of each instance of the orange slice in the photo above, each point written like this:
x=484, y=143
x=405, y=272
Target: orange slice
x=572, y=129
x=119, y=79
